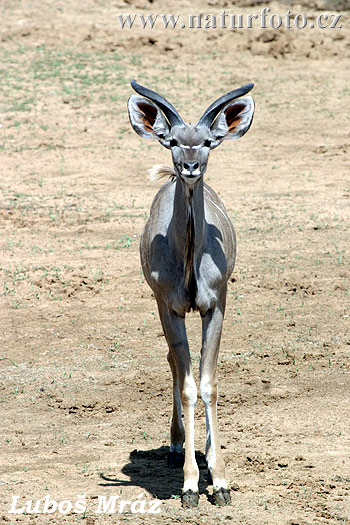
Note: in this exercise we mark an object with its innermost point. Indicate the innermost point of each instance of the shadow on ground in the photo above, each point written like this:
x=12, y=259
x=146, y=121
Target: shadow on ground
x=148, y=469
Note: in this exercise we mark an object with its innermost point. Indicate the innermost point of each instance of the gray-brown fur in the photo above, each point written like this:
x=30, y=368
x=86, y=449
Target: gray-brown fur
x=188, y=249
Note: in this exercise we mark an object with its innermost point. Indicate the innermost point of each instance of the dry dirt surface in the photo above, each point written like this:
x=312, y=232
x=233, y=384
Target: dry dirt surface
x=85, y=387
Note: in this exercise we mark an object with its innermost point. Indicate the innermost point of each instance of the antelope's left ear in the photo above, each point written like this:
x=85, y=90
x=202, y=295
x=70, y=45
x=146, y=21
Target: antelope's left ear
x=234, y=120
x=147, y=119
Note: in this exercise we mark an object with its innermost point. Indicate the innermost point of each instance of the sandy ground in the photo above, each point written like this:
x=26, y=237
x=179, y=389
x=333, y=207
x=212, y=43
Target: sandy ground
x=85, y=388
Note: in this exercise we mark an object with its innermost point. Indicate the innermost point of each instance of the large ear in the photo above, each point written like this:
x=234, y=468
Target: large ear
x=233, y=121
x=147, y=119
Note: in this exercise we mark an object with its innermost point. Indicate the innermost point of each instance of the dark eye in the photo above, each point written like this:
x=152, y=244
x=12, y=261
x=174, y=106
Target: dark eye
x=207, y=143
x=173, y=143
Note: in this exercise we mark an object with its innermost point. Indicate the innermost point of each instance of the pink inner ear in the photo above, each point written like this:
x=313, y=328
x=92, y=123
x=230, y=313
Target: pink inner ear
x=150, y=115
x=232, y=115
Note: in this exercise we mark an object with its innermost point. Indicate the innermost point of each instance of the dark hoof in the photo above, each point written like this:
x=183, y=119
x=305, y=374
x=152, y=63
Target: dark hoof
x=221, y=497
x=175, y=460
x=189, y=499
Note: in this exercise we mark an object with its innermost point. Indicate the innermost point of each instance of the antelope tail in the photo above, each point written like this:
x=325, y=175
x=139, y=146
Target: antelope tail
x=158, y=171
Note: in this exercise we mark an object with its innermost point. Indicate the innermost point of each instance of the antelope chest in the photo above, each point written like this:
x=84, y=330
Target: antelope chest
x=185, y=287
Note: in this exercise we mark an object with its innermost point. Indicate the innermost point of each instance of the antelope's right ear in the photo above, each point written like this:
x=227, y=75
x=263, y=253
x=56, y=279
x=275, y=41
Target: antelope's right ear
x=147, y=119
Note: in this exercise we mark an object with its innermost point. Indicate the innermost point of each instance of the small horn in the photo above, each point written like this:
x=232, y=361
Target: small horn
x=167, y=108
x=209, y=115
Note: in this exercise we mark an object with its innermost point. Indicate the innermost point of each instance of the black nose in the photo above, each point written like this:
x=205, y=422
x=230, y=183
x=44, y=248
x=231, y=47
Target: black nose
x=191, y=166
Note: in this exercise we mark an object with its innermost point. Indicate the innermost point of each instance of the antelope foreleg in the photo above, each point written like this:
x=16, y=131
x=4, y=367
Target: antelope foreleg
x=180, y=362
x=212, y=325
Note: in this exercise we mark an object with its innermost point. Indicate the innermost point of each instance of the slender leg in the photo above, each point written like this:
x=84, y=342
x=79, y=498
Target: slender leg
x=180, y=360
x=212, y=325
x=177, y=431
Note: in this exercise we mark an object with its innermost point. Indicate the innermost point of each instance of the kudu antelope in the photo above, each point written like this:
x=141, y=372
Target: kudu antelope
x=188, y=251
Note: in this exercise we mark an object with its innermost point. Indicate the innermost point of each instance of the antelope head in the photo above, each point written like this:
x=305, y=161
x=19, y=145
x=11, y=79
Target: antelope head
x=153, y=117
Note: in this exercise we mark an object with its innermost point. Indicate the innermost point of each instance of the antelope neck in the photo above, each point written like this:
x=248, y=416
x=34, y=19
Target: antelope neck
x=189, y=223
